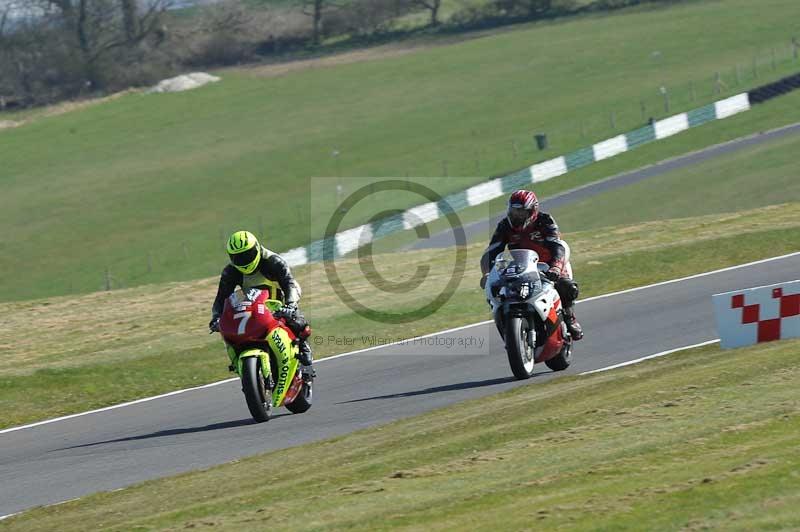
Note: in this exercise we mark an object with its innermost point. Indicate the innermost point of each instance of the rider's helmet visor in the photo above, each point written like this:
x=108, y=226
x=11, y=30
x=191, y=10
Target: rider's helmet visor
x=518, y=215
x=244, y=258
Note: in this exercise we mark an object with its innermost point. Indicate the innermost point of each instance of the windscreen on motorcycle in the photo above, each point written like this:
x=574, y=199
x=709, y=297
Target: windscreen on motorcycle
x=239, y=296
x=513, y=262
x=515, y=274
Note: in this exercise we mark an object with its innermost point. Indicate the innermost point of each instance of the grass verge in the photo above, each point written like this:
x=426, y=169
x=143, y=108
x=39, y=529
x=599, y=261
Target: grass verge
x=700, y=439
x=144, y=186
x=105, y=348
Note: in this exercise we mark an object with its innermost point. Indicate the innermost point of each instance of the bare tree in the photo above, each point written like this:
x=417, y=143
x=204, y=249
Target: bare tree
x=130, y=19
x=101, y=26
x=52, y=49
x=526, y=8
x=316, y=10
x=433, y=7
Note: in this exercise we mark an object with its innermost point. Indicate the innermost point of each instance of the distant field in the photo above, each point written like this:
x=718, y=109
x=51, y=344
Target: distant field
x=147, y=186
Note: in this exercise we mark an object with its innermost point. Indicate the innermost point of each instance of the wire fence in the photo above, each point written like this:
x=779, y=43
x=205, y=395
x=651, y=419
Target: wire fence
x=765, y=65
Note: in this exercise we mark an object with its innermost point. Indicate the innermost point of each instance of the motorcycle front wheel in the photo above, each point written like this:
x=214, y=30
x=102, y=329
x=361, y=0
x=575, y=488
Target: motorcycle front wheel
x=258, y=398
x=520, y=354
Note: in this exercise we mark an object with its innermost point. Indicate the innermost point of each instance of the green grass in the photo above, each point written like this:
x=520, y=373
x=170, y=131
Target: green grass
x=753, y=177
x=152, y=330
x=769, y=183
x=167, y=176
x=700, y=439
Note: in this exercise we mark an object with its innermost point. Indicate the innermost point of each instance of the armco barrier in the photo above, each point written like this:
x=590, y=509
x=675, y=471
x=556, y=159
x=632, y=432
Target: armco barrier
x=763, y=314
x=349, y=240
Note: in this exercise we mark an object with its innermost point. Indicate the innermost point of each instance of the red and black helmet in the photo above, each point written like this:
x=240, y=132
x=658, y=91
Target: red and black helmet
x=523, y=208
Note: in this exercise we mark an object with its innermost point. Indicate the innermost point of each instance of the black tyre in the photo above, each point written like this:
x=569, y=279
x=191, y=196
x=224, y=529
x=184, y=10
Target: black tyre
x=259, y=400
x=303, y=400
x=520, y=354
x=563, y=359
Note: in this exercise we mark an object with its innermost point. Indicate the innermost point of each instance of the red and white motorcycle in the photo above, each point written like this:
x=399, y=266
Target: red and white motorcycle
x=528, y=314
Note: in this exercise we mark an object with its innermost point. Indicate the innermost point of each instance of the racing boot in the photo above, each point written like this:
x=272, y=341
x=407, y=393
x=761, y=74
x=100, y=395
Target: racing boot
x=306, y=358
x=574, y=328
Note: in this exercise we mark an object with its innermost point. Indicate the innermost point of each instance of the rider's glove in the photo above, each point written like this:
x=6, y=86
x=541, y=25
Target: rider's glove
x=553, y=274
x=483, y=280
x=287, y=311
x=213, y=325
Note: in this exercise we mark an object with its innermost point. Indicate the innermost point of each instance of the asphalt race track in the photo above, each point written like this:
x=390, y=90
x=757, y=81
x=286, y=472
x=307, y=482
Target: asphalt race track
x=111, y=449
x=483, y=229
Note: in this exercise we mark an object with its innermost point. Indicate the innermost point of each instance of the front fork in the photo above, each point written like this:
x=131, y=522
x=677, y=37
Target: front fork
x=238, y=360
x=285, y=357
x=499, y=320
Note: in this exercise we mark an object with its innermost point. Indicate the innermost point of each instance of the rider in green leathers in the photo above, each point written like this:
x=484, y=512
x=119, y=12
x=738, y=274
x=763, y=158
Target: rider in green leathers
x=254, y=266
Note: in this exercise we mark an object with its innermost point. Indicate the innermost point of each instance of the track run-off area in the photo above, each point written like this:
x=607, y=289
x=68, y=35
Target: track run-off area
x=62, y=459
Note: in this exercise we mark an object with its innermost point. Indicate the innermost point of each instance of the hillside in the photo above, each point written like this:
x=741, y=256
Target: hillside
x=142, y=189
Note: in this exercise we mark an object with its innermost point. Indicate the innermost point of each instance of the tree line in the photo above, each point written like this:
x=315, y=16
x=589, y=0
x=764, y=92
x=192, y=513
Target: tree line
x=52, y=50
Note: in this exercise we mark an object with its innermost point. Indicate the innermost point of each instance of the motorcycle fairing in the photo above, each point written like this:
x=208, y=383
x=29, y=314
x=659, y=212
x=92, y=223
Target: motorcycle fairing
x=262, y=356
x=545, y=303
x=285, y=357
x=551, y=347
x=294, y=389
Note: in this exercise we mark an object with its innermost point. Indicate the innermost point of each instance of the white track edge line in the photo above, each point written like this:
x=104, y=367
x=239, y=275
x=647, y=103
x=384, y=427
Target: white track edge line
x=359, y=351
x=695, y=276
x=648, y=357
x=112, y=407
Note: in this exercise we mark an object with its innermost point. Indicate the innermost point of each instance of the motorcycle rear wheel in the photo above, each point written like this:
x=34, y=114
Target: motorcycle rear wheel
x=563, y=359
x=520, y=354
x=258, y=398
x=303, y=400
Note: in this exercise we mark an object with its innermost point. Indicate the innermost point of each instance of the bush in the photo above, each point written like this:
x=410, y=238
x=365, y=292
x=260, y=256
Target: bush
x=364, y=17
